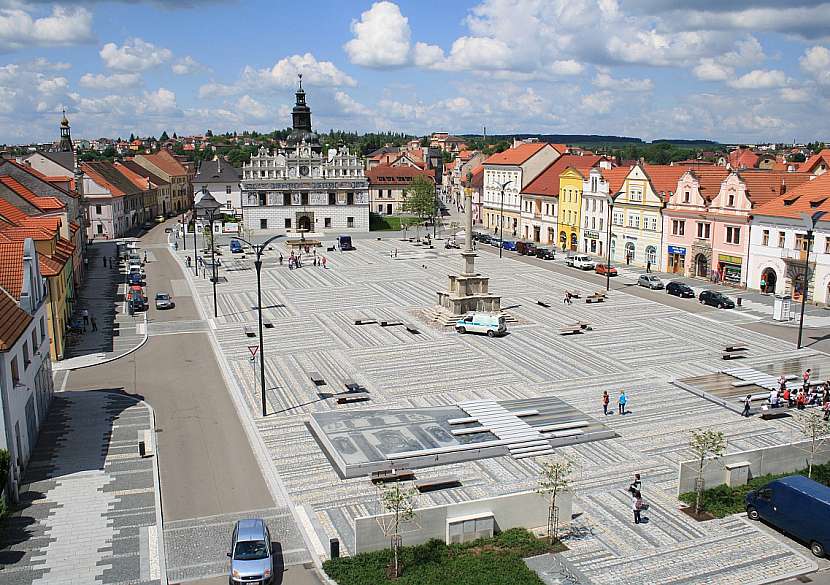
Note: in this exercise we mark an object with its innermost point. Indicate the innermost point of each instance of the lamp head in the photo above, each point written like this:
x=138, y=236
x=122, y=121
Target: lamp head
x=810, y=220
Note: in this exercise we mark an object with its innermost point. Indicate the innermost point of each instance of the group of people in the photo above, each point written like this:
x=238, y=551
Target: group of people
x=808, y=395
x=637, y=502
x=621, y=402
x=296, y=260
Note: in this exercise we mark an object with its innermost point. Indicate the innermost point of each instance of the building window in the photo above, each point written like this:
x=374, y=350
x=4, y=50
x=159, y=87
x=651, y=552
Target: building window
x=42, y=328
x=634, y=221
x=263, y=224
x=333, y=198
x=349, y=198
x=731, y=201
x=228, y=189
x=678, y=227
x=288, y=223
x=26, y=360
x=827, y=245
x=704, y=230
x=15, y=372
x=765, y=238
x=780, y=239
x=99, y=229
x=98, y=210
x=304, y=198
x=327, y=222
x=618, y=218
x=636, y=195
x=686, y=197
x=733, y=235
x=34, y=339
x=350, y=222
x=801, y=242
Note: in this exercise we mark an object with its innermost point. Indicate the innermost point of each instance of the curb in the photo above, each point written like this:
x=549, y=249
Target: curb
x=56, y=367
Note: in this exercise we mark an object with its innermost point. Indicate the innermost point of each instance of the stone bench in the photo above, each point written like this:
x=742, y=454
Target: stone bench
x=543, y=304
x=365, y=321
x=595, y=299
x=412, y=329
x=350, y=399
x=317, y=378
x=736, y=347
x=390, y=323
x=351, y=385
x=570, y=329
x=390, y=475
x=249, y=331
x=267, y=324
x=437, y=483
x=732, y=356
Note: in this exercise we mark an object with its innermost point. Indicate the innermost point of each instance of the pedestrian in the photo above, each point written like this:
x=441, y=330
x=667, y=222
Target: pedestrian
x=94, y=324
x=627, y=259
x=782, y=383
x=86, y=262
x=622, y=401
x=806, y=377
x=280, y=259
x=324, y=261
x=104, y=258
x=763, y=285
x=747, y=405
x=145, y=256
x=800, y=400
x=826, y=410
x=396, y=252
x=605, y=400
x=187, y=262
x=637, y=506
x=773, y=398
x=315, y=260
x=648, y=266
x=787, y=396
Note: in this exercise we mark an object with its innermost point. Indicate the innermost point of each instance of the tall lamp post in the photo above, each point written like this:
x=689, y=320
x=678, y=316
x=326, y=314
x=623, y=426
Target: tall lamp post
x=501, y=217
x=610, y=201
x=207, y=207
x=258, y=250
x=809, y=222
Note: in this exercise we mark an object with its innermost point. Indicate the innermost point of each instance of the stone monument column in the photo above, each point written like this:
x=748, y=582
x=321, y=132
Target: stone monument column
x=468, y=254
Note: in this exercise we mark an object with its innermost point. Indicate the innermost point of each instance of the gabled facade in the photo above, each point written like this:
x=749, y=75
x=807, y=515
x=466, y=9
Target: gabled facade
x=171, y=170
x=596, y=189
x=569, y=218
x=223, y=182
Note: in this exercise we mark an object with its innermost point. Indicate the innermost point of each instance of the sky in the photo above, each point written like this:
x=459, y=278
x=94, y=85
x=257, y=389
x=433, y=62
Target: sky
x=726, y=70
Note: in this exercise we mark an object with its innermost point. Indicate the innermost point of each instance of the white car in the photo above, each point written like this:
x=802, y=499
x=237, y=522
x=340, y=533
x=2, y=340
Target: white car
x=488, y=323
x=581, y=261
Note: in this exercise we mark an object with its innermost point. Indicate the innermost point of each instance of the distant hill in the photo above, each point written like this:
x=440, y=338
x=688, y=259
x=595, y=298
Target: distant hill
x=596, y=140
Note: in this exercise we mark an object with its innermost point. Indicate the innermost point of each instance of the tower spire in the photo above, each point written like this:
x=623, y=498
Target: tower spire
x=65, y=144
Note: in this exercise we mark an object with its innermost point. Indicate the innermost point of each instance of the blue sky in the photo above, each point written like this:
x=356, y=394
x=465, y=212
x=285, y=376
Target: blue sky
x=729, y=70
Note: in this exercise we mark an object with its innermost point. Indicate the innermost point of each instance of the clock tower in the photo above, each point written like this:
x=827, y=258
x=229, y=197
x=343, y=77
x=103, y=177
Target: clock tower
x=301, y=122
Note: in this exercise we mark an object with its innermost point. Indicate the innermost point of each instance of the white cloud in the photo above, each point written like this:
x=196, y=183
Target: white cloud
x=603, y=80
x=598, y=103
x=381, y=37
x=794, y=94
x=187, y=65
x=349, y=105
x=64, y=26
x=161, y=101
x=567, y=67
x=760, y=79
x=250, y=107
x=134, y=55
x=816, y=63
x=211, y=90
x=52, y=85
x=426, y=56
x=41, y=64
x=284, y=73
x=112, y=82
x=711, y=70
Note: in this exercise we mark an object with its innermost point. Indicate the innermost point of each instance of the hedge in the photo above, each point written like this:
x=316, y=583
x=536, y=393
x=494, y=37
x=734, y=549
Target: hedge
x=487, y=561
x=723, y=500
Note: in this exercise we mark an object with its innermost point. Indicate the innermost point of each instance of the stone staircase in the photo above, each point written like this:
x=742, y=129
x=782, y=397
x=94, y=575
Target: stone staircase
x=525, y=441
x=442, y=317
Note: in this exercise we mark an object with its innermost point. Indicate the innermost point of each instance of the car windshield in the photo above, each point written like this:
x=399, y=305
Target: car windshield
x=162, y=297
x=250, y=550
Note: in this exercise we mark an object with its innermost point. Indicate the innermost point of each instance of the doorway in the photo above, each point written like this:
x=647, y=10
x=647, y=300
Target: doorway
x=701, y=266
x=769, y=280
x=304, y=223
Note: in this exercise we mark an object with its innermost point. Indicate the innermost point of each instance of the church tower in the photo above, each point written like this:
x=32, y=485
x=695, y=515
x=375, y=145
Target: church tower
x=66, y=138
x=301, y=132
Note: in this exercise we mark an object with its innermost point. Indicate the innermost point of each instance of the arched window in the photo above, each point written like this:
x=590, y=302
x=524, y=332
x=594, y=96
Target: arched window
x=651, y=255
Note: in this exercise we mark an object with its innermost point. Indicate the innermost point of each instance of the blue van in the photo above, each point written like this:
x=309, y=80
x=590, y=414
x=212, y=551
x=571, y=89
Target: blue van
x=345, y=243
x=796, y=505
x=236, y=247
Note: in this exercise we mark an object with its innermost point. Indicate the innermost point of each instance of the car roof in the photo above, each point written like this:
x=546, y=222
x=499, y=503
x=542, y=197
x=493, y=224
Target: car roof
x=250, y=529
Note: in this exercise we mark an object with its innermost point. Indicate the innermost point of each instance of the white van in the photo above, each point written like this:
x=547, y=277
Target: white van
x=582, y=262
x=487, y=323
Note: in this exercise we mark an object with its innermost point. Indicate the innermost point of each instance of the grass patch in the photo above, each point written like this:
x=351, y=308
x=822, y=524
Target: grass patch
x=380, y=223
x=723, y=500
x=487, y=561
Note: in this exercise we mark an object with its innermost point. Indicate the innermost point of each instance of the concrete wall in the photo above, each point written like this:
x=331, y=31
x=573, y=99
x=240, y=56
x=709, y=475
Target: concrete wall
x=777, y=459
x=523, y=509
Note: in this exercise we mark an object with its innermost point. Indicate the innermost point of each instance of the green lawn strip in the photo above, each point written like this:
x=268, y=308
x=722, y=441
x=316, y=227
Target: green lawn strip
x=487, y=561
x=723, y=500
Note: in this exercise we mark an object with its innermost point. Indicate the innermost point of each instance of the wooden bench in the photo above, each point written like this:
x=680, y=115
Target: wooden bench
x=390, y=323
x=249, y=330
x=437, y=483
x=595, y=299
x=732, y=356
x=351, y=385
x=543, y=304
x=317, y=378
x=390, y=475
x=350, y=399
x=365, y=321
x=736, y=347
x=267, y=324
x=571, y=329
x=412, y=329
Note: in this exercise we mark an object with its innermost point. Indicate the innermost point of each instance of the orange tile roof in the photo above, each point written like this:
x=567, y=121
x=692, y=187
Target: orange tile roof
x=709, y=180
x=48, y=266
x=809, y=197
x=49, y=222
x=166, y=162
x=764, y=186
x=20, y=233
x=743, y=158
x=562, y=148
x=13, y=321
x=664, y=178
x=42, y=203
x=615, y=178
x=11, y=214
x=388, y=175
x=547, y=182
x=516, y=156
x=11, y=267
x=41, y=176
x=810, y=164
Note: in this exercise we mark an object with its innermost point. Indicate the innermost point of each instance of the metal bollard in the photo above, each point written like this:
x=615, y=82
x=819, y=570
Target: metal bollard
x=334, y=548
x=739, y=301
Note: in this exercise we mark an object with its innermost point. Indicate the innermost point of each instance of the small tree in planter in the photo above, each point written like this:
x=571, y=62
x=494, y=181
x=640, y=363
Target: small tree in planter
x=812, y=425
x=554, y=478
x=705, y=444
x=399, y=502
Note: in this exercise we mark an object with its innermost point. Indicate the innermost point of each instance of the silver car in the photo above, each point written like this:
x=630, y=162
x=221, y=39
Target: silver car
x=650, y=281
x=251, y=554
x=164, y=301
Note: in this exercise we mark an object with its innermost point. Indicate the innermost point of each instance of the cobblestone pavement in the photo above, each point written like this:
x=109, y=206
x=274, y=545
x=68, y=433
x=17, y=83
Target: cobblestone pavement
x=88, y=503
x=636, y=344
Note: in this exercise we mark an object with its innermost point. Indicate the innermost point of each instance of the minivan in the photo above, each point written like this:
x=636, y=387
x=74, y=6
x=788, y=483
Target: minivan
x=251, y=553
x=488, y=323
x=235, y=247
x=581, y=261
x=796, y=505
x=345, y=243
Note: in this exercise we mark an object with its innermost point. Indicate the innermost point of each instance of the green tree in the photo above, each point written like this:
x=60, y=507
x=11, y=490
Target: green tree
x=209, y=133
x=399, y=504
x=705, y=444
x=419, y=199
x=425, y=141
x=554, y=478
x=132, y=136
x=812, y=425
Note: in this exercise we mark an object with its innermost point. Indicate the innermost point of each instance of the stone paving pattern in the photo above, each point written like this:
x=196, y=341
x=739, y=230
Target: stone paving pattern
x=88, y=500
x=636, y=344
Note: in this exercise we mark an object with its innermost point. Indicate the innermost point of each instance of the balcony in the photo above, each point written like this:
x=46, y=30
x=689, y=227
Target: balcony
x=797, y=255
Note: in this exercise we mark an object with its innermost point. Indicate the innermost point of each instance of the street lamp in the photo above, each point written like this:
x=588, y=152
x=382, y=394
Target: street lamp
x=258, y=250
x=501, y=217
x=809, y=222
x=610, y=201
x=207, y=207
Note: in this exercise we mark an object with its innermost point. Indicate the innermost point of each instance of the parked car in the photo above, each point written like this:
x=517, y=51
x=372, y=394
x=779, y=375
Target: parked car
x=251, y=553
x=716, y=299
x=345, y=243
x=546, y=253
x=164, y=301
x=136, y=300
x=581, y=261
x=236, y=247
x=526, y=248
x=680, y=289
x=136, y=278
x=509, y=245
x=159, y=219
x=606, y=269
x=484, y=238
x=148, y=225
x=796, y=505
x=650, y=281
x=487, y=323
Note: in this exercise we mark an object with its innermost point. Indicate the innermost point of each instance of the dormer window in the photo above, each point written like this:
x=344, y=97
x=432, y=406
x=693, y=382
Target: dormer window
x=686, y=197
x=731, y=200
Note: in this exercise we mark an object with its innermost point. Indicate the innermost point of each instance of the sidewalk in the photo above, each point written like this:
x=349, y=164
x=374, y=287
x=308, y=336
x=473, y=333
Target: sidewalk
x=89, y=505
x=102, y=294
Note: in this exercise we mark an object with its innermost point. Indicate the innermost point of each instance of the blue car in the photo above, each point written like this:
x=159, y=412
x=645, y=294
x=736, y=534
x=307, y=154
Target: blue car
x=236, y=247
x=509, y=245
x=135, y=278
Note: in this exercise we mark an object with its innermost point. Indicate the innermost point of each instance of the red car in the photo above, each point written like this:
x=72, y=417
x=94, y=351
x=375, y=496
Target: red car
x=605, y=269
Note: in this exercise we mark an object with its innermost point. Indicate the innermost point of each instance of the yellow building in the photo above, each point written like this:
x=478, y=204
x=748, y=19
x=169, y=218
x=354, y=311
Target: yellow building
x=570, y=208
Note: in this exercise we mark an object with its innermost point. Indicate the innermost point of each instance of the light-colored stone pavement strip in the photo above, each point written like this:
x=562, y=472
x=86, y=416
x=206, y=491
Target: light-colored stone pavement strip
x=636, y=345
x=89, y=499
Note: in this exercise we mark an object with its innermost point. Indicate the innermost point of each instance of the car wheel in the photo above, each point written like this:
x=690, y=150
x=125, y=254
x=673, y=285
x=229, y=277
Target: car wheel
x=701, y=301
x=752, y=513
x=720, y=305
x=817, y=549
x=461, y=330
x=491, y=333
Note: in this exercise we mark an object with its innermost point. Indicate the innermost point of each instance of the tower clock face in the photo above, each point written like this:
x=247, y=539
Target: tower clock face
x=304, y=171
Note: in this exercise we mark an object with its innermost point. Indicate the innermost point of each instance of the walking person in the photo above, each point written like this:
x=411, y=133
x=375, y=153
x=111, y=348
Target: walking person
x=104, y=258
x=806, y=377
x=747, y=405
x=85, y=315
x=637, y=506
x=648, y=266
x=605, y=400
x=826, y=409
x=280, y=259
x=94, y=324
x=324, y=262
x=636, y=485
x=622, y=401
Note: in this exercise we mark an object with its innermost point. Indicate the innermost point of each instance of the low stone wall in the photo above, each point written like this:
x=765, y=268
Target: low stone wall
x=739, y=467
x=523, y=509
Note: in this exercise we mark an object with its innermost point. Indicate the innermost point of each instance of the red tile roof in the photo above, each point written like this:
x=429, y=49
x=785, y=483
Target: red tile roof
x=41, y=176
x=709, y=180
x=664, y=178
x=547, y=182
x=11, y=214
x=164, y=161
x=42, y=203
x=13, y=321
x=388, y=175
x=764, y=186
x=810, y=164
x=809, y=197
x=743, y=158
x=11, y=267
x=516, y=156
x=48, y=266
x=615, y=178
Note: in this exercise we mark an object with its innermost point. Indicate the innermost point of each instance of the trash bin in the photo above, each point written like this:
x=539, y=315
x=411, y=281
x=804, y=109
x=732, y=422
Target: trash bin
x=334, y=548
x=739, y=301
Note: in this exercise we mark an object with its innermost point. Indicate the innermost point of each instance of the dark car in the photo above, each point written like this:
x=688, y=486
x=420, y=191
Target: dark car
x=680, y=289
x=526, y=248
x=546, y=253
x=135, y=278
x=716, y=299
x=136, y=300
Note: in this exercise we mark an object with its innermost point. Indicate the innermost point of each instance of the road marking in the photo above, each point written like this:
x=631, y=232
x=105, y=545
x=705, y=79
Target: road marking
x=155, y=565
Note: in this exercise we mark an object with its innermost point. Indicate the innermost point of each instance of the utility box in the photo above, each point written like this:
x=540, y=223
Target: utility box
x=781, y=310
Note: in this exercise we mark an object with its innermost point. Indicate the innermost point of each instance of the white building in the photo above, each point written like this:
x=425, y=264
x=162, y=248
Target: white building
x=222, y=181
x=25, y=367
x=595, y=192
x=300, y=188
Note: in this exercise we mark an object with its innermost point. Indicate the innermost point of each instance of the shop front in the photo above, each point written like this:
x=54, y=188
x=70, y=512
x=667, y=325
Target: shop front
x=677, y=259
x=592, y=242
x=729, y=268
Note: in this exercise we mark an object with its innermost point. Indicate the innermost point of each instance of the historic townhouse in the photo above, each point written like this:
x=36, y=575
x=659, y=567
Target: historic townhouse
x=166, y=166
x=519, y=165
x=223, y=182
x=116, y=204
x=388, y=185
x=600, y=182
x=163, y=197
x=816, y=164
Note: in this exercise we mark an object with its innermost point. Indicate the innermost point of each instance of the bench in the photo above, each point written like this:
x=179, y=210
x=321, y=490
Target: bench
x=390, y=323
x=412, y=329
x=391, y=475
x=774, y=413
x=437, y=483
x=350, y=399
x=574, y=293
x=570, y=329
x=732, y=356
x=601, y=293
x=543, y=304
x=351, y=385
x=317, y=378
x=365, y=321
x=249, y=330
x=267, y=324
x=736, y=347
x=595, y=299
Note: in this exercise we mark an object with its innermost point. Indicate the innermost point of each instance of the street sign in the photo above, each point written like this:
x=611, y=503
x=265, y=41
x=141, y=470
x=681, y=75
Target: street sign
x=253, y=349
